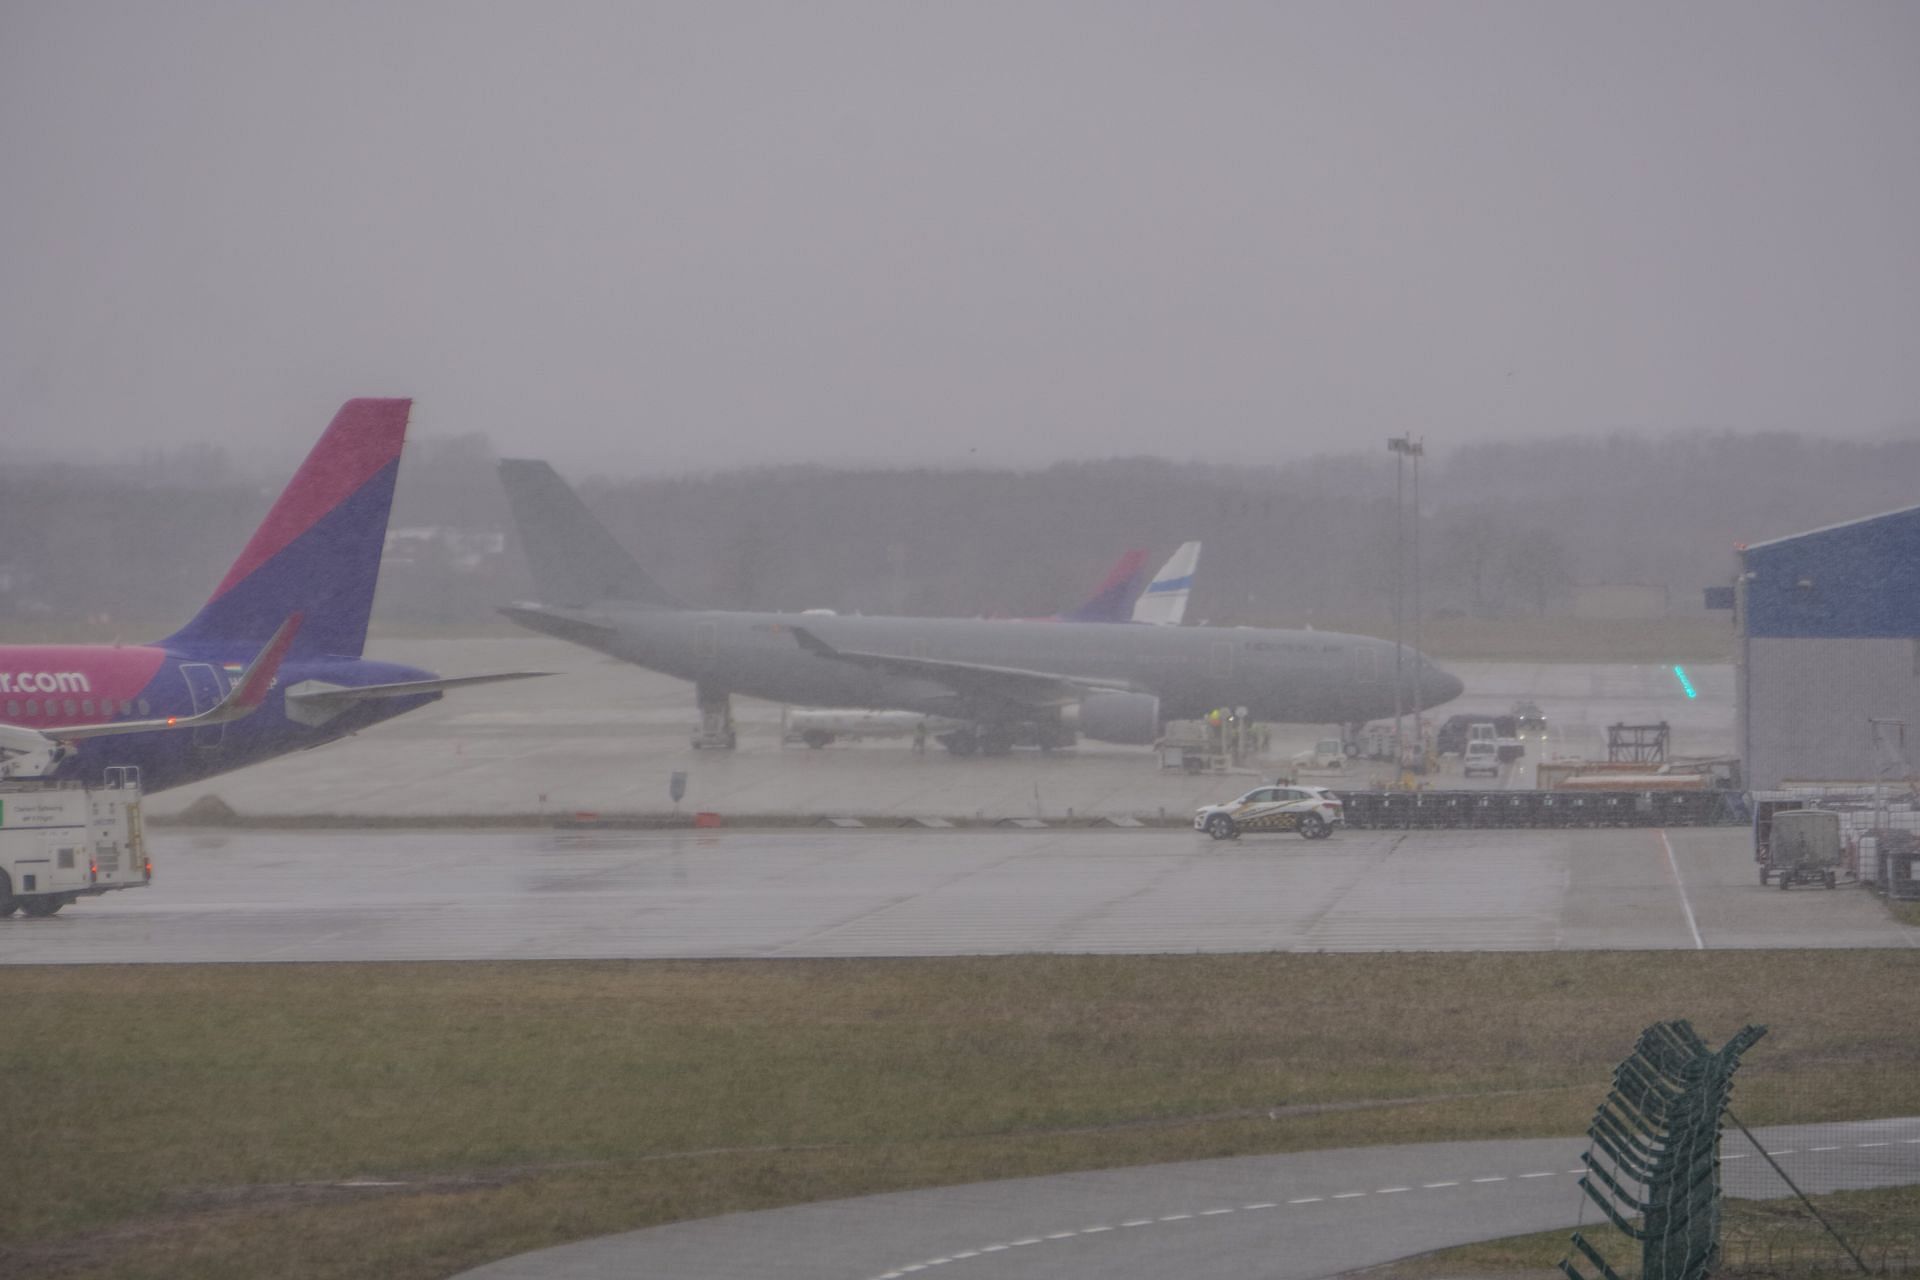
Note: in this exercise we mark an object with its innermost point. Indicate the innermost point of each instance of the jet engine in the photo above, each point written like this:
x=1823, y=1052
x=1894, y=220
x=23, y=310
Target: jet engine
x=1131, y=718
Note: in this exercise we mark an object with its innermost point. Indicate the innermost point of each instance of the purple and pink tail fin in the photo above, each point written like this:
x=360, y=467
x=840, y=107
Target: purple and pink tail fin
x=317, y=553
x=1113, y=602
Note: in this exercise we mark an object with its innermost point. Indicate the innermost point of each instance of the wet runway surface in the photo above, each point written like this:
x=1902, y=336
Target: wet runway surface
x=382, y=895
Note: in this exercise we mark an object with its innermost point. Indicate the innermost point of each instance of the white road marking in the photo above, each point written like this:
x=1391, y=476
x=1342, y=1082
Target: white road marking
x=1270, y=1204
x=1686, y=905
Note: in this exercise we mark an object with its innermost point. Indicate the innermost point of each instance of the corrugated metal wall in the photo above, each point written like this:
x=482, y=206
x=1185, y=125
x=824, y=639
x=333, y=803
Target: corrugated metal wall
x=1829, y=679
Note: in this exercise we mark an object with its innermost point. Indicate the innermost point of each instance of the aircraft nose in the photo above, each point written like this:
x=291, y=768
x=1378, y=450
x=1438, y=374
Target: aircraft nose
x=1441, y=686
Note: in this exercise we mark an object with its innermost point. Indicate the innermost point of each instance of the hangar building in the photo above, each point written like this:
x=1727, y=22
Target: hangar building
x=1829, y=660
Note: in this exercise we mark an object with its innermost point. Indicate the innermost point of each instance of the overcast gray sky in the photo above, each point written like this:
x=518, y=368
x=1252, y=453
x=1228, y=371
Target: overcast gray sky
x=653, y=236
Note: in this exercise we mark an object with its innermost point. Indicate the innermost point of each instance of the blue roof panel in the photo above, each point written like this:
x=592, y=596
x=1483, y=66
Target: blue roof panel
x=1859, y=580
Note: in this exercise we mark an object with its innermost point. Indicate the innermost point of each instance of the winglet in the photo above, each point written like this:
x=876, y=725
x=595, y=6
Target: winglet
x=250, y=690
x=813, y=644
x=246, y=695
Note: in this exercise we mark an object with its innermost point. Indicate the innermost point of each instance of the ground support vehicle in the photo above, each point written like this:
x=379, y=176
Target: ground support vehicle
x=821, y=726
x=62, y=841
x=1312, y=811
x=1483, y=756
x=1803, y=847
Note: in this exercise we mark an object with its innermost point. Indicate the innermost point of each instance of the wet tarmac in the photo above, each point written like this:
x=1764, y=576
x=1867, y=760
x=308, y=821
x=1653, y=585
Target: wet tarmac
x=383, y=895
x=604, y=736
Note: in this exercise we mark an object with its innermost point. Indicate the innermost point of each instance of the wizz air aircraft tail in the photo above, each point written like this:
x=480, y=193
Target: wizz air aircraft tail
x=1164, y=602
x=318, y=551
x=272, y=662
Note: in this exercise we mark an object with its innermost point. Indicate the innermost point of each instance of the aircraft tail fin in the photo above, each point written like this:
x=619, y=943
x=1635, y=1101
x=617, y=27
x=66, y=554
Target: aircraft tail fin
x=575, y=561
x=317, y=554
x=1115, y=596
x=1164, y=602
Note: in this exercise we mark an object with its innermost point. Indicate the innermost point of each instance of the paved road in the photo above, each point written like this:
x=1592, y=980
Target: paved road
x=383, y=895
x=1290, y=1217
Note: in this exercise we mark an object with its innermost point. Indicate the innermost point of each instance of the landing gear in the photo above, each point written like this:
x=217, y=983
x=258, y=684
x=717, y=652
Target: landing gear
x=996, y=740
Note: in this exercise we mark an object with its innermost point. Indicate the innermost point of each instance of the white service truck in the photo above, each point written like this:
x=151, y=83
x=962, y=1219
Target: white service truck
x=63, y=841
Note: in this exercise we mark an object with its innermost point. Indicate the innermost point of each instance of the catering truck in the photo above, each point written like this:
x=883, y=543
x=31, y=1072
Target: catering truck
x=60, y=841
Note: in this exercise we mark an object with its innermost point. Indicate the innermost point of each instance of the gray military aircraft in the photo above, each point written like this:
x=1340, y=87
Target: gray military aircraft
x=1040, y=681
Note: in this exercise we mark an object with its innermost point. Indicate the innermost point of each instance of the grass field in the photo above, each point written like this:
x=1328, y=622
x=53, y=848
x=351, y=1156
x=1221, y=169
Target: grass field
x=1759, y=1238
x=190, y=1121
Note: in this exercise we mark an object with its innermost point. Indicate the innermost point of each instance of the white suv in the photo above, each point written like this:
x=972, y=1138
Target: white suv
x=1483, y=756
x=1312, y=811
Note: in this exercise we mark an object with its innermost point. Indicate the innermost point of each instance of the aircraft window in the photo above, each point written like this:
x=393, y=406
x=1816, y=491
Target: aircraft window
x=126, y=706
x=13, y=708
x=33, y=708
x=71, y=709
x=145, y=709
x=86, y=707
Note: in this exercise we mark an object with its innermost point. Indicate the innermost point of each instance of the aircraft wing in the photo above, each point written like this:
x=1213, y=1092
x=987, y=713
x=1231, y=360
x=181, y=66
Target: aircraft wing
x=1016, y=685
x=334, y=698
x=243, y=698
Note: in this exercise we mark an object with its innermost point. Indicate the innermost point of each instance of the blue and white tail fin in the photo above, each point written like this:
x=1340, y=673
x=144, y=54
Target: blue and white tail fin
x=1164, y=602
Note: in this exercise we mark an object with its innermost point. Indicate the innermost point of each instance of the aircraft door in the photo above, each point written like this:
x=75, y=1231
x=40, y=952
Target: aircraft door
x=205, y=688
